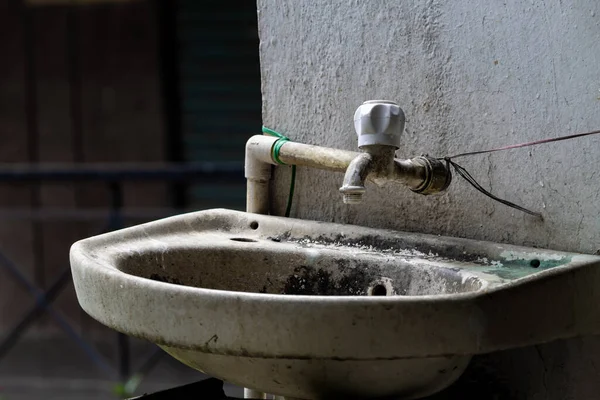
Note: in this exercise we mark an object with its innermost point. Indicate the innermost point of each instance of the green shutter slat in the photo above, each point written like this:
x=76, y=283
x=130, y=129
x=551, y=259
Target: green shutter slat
x=219, y=89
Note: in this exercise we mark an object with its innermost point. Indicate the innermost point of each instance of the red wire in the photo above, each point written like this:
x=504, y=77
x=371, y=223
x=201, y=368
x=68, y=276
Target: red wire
x=516, y=146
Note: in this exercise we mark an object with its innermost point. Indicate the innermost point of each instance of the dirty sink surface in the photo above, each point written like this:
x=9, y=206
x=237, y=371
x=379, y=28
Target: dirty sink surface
x=316, y=310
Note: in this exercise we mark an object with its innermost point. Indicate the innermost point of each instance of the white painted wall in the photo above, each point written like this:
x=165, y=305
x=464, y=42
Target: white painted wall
x=469, y=75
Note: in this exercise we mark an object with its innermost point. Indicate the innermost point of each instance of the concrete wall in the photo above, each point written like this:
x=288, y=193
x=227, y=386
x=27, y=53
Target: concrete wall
x=469, y=76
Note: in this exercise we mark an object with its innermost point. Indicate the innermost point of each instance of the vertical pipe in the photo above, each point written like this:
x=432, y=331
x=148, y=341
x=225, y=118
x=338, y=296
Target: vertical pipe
x=254, y=394
x=257, y=169
x=257, y=196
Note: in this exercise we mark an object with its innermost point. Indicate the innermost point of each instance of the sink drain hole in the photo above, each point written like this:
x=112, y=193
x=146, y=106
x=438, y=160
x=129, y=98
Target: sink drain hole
x=535, y=263
x=247, y=240
x=379, y=290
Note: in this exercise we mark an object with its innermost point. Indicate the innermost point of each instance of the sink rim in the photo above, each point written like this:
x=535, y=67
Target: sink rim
x=87, y=246
x=490, y=288
x=465, y=323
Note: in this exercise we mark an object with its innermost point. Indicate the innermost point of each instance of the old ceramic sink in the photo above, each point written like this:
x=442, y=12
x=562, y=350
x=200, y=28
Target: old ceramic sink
x=319, y=310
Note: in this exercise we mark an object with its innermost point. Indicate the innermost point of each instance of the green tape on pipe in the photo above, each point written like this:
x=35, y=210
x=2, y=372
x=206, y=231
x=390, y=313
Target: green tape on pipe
x=275, y=155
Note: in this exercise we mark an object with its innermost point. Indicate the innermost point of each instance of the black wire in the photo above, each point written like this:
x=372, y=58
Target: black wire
x=469, y=178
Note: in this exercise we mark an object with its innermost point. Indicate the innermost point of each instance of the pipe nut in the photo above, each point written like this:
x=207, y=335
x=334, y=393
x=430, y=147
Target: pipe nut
x=379, y=122
x=437, y=175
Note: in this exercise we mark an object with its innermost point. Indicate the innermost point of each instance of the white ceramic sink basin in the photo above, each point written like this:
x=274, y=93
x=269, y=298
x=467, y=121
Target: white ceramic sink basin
x=317, y=310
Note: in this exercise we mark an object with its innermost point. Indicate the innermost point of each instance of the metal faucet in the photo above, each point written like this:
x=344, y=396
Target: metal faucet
x=379, y=125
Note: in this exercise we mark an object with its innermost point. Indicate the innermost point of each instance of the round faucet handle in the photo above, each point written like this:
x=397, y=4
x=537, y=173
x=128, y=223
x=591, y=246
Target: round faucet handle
x=379, y=122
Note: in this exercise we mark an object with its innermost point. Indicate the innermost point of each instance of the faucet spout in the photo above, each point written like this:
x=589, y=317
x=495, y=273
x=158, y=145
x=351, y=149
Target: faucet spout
x=353, y=187
x=376, y=163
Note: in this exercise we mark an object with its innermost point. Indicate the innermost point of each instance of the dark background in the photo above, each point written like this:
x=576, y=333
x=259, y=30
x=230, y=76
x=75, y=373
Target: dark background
x=87, y=82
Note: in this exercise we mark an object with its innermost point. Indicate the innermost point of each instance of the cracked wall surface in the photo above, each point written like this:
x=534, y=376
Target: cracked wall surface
x=469, y=76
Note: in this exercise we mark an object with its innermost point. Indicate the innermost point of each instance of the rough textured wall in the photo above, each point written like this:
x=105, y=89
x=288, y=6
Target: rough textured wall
x=469, y=76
